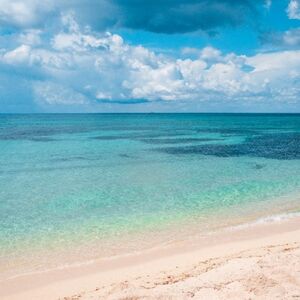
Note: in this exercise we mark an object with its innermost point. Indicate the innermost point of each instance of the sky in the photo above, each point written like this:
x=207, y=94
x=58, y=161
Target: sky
x=149, y=56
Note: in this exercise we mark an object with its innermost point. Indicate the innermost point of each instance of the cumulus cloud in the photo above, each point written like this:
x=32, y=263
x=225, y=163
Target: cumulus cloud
x=77, y=66
x=293, y=9
x=285, y=39
x=210, y=53
x=26, y=13
x=30, y=37
x=17, y=56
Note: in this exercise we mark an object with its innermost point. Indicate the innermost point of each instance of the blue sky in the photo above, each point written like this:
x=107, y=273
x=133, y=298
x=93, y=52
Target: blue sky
x=148, y=56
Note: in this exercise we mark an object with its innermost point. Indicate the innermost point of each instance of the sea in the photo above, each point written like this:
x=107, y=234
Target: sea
x=75, y=188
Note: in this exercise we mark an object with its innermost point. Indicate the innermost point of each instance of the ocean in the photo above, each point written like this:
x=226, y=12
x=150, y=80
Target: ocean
x=78, y=187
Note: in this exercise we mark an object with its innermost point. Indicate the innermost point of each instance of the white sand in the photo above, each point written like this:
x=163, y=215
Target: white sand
x=257, y=262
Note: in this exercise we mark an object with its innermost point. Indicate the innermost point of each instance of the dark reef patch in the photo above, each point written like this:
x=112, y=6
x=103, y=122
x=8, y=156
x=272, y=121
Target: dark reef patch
x=228, y=131
x=111, y=127
x=77, y=158
x=137, y=136
x=124, y=155
x=160, y=141
x=275, y=146
x=109, y=137
x=258, y=166
x=40, y=134
x=43, y=139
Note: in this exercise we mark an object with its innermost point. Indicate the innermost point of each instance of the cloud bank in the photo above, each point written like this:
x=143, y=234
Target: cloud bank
x=62, y=56
x=76, y=66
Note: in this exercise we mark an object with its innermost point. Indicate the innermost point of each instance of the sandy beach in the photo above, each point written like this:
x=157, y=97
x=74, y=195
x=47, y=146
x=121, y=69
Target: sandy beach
x=260, y=261
x=149, y=150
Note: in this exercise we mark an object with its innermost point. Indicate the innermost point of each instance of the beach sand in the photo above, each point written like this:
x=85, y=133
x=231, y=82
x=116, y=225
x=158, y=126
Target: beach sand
x=259, y=261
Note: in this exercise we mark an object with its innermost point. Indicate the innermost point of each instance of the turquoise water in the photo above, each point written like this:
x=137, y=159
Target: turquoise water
x=88, y=181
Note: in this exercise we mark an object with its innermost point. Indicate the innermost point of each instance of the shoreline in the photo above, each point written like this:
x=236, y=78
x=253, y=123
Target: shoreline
x=173, y=258
x=145, y=241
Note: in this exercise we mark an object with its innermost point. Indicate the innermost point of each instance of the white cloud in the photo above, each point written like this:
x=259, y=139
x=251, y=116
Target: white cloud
x=293, y=9
x=190, y=51
x=52, y=94
x=24, y=13
x=80, y=67
x=283, y=61
x=210, y=53
x=30, y=37
x=18, y=56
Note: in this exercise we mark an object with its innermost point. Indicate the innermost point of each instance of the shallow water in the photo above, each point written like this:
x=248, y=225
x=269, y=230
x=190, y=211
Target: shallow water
x=99, y=184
